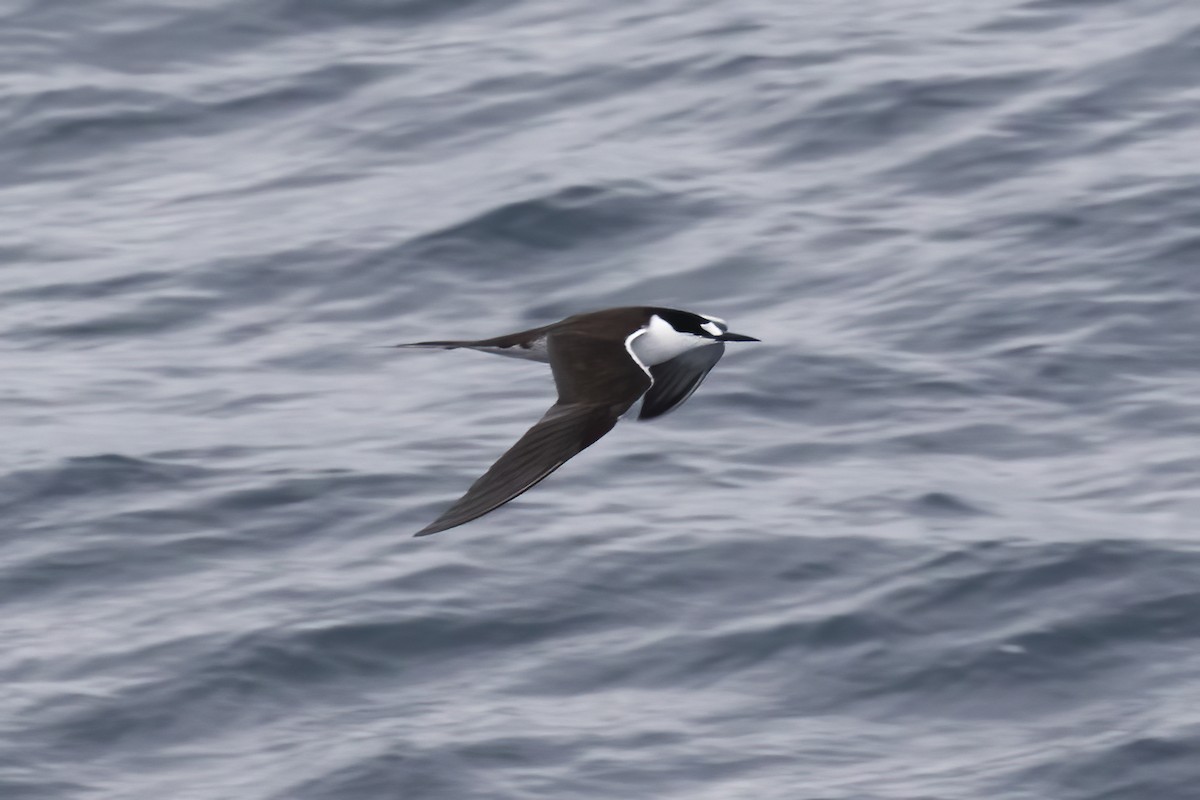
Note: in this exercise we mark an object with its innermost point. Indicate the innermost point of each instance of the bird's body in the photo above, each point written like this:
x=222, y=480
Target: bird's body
x=602, y=362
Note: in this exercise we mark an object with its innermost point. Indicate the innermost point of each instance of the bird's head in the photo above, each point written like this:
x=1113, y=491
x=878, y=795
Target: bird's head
x=712, y=329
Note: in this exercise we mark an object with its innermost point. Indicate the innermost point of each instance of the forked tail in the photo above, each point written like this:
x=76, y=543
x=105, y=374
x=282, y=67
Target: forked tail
x=435, y=345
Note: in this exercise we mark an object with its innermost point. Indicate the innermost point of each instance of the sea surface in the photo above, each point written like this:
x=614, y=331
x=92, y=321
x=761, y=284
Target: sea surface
x=936, y=538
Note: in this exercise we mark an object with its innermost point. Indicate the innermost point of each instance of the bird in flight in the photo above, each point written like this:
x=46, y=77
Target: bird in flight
x=602, y=362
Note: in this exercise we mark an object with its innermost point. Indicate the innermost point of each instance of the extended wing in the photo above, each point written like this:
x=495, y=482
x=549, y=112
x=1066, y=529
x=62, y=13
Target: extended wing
x=597, y=382
x=675, y=380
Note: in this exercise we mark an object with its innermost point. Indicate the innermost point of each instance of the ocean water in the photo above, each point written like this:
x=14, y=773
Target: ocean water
x=934, y=539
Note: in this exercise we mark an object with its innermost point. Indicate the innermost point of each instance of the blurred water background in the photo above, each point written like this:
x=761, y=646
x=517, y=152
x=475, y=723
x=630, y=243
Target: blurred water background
x=935, y=539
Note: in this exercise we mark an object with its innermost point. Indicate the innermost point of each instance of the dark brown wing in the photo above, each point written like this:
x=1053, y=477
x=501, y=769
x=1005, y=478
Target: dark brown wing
x=675, y=380
x=597, y=382
x=559, y=435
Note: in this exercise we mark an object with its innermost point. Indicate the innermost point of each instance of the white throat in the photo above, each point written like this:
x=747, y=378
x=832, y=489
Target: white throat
x=659, y=342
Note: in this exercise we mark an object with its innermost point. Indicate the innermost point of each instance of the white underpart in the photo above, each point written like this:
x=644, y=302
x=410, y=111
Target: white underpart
x=659, y=342
x=629, y=340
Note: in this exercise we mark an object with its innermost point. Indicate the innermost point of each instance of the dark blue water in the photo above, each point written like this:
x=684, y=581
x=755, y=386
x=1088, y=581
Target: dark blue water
x=935, y=539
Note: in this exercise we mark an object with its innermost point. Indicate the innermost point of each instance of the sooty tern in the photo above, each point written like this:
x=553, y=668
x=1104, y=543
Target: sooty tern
x=602, y=363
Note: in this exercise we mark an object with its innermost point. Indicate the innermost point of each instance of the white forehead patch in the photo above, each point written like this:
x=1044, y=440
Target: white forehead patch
x=712, y=328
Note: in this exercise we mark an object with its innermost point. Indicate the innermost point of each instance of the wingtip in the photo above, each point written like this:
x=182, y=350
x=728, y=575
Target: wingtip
x=437, y=526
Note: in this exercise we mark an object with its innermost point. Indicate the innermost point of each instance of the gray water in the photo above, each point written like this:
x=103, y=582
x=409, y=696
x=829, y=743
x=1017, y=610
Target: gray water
x=934, y=539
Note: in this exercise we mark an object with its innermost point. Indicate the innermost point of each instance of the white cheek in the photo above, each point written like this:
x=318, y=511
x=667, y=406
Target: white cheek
x=712, y=328
x=661, y=342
